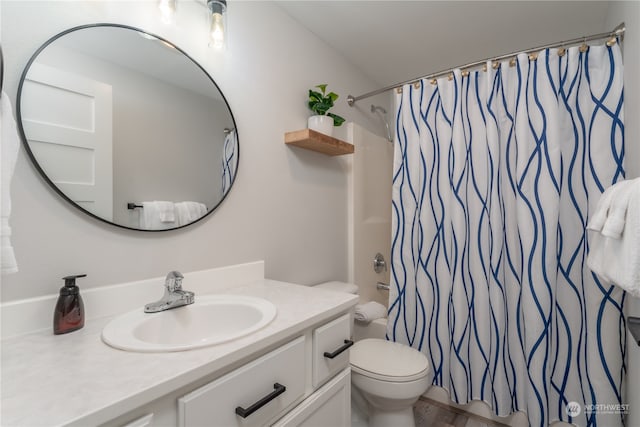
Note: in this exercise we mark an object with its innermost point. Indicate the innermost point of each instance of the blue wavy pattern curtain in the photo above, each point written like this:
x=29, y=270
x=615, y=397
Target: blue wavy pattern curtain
x=495, y=174
x=229, y=160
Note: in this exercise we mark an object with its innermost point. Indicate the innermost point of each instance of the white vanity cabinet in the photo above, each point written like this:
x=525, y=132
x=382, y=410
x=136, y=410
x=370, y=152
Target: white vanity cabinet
x=305, y=382
x=292, y=372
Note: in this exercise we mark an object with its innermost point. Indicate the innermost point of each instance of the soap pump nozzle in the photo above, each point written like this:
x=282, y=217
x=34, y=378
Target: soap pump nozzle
x=70, y=283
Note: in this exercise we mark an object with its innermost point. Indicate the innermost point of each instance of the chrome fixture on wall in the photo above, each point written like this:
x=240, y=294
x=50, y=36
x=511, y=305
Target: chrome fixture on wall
x=379, y=264
x=381, y=112
x=382, y=286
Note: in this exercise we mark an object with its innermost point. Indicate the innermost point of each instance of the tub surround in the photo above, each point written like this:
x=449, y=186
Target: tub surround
x=89, y=383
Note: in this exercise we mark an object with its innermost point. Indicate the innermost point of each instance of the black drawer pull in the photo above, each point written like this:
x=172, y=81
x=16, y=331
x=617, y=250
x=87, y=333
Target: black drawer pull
x=347, y=344
x=278, y=390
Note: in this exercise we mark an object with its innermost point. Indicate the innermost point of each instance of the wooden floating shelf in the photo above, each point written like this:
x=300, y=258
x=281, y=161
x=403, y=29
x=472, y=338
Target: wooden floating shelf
x=316, y=141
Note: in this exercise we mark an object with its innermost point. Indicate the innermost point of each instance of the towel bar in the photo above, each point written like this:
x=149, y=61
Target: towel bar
x=633, y=323
x=133, y=206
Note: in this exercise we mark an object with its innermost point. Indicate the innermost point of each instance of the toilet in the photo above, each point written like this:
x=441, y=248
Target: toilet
x=387, y=378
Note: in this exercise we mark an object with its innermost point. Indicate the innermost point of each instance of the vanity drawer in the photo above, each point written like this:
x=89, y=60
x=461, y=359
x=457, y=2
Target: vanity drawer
x=328, y=406
x=273, y=382
x=331, y=344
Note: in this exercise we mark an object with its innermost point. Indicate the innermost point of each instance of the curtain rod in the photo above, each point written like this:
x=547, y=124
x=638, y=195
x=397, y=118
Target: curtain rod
x=617, y=32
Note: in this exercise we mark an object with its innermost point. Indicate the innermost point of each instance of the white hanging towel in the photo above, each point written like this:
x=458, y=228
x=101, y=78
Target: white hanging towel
x=188, y=212
x=157, y=215
x=609, y=216
x=614, y=259
x=8, y=156
x=166, y=211
x=369, y=311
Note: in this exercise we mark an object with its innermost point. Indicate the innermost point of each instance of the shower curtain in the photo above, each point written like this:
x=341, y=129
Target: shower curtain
x=229, y=160
x=495, y=175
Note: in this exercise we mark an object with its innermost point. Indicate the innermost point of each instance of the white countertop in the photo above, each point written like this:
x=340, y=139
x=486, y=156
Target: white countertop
x=77, y=379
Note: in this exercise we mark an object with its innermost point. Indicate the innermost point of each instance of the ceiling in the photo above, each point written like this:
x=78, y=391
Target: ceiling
x=393, y=41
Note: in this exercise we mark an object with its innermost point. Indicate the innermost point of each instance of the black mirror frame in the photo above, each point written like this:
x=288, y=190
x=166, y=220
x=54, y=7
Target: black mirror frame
x=52, y=184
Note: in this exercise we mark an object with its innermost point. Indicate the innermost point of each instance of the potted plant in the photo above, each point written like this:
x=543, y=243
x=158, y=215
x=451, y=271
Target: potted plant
x=320, y=102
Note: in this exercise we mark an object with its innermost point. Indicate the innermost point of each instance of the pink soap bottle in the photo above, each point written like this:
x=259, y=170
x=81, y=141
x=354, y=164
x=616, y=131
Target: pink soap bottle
x=69, y=312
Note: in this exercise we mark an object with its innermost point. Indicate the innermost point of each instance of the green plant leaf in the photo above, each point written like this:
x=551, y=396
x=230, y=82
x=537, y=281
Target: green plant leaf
x=320, y=103
x=316, y=96
x=337, y=120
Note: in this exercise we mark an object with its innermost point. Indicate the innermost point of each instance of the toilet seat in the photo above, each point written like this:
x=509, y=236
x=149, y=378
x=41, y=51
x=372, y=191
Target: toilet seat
x=388, y=361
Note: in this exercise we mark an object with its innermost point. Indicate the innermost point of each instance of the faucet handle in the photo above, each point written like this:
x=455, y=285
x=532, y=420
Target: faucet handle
x=173, y=282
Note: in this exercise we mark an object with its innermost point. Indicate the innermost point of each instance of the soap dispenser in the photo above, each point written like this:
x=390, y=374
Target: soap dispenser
x=69, y=312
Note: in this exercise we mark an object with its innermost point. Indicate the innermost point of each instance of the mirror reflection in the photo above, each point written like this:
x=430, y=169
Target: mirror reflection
x=127, y=127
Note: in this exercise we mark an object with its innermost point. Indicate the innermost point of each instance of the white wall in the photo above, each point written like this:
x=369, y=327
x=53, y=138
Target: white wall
x=288, y=206
x=629, y=13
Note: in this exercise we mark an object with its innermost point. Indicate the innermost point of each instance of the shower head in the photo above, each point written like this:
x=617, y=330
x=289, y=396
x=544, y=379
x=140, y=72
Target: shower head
x=375, y=108
x=382, y=113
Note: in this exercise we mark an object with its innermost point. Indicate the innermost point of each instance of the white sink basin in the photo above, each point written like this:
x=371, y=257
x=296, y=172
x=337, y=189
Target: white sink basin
x=212, y=319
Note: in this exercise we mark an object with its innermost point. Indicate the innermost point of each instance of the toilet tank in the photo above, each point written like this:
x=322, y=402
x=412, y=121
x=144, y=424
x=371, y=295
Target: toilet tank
x=348, y=288
x=374, y=329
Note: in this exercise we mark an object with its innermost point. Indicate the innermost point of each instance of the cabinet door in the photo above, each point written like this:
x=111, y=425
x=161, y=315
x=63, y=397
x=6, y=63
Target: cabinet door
x=329, y=406
x=252, y=395
x=331, y=349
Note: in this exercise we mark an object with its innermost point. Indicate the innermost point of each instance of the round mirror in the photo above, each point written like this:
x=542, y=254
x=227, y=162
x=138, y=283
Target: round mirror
x=127, y=127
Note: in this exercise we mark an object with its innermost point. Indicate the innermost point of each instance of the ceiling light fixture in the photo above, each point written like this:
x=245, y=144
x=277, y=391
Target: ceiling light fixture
x=167, y=10
x=217, y=23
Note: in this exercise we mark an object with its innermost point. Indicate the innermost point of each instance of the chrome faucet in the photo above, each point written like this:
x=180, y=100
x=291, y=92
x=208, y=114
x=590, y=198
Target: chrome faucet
x=173, y=297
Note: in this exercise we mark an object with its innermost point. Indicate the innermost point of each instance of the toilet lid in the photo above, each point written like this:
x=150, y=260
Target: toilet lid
x=387, y=360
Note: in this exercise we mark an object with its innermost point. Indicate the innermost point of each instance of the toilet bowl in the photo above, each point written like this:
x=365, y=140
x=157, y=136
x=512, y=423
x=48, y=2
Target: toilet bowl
x=387, y=378
x=390, y=378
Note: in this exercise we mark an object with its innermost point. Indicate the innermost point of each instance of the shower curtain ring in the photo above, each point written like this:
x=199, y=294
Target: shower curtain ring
x=584, y=47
